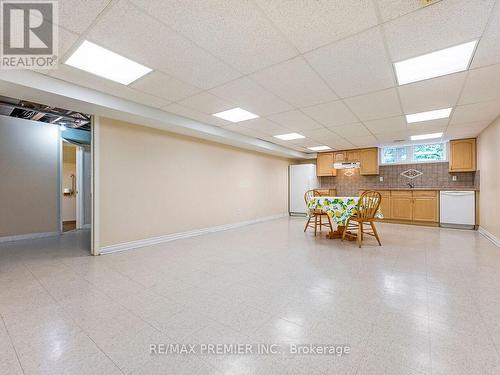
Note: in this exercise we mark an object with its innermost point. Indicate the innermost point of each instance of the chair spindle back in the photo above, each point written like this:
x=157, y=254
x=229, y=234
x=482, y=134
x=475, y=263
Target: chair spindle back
x=368, y=204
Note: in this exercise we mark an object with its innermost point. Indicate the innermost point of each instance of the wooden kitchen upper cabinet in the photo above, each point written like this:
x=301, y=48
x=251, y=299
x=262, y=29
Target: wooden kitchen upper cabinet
x=401, y=205
x=425, y=206
x=324, y=165
x=368, y=159
x=352, y=156
x=340, y=157
x=463, y=155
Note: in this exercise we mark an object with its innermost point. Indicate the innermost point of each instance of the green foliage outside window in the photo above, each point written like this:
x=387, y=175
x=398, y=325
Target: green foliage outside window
x=415, y=153
x=429, y=152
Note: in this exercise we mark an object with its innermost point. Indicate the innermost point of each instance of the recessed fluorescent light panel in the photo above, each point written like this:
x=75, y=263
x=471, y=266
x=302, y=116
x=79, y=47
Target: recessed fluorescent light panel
x=319, y=148
x=235, y=115
x=435, y=64
x=289, y=136
x=426, y=136
x=107, y=64
x=429, y=115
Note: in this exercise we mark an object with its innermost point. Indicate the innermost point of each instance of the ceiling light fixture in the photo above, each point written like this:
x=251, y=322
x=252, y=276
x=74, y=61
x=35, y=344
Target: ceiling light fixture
x=319, y=148
x=426, y=136
x=429, y=115
x=107, y=64
x=435, y=64
x=289, y=136
x=235, y=115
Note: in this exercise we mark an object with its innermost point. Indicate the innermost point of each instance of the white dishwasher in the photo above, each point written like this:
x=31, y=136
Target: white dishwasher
x=457, y=209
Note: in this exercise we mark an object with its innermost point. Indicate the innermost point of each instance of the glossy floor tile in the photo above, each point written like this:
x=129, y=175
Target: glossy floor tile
x=427, y=302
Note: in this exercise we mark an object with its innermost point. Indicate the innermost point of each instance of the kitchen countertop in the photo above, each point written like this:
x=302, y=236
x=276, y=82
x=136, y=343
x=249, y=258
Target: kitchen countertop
x=449, y=188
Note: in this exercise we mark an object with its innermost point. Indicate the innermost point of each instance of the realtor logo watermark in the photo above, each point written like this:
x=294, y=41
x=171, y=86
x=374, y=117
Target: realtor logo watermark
x=29, y=34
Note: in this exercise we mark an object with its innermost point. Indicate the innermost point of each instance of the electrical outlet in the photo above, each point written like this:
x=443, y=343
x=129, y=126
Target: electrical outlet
x=453, y=178
x=381, y=178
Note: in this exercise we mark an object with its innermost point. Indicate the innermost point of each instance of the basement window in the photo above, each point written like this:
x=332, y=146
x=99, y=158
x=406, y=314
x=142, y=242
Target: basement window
x=421, y=153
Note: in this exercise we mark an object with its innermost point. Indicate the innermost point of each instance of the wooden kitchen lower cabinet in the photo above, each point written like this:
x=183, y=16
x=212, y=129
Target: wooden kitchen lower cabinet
x=401, y=205
x=425, y=206
x=410, y=206
x=385, y=204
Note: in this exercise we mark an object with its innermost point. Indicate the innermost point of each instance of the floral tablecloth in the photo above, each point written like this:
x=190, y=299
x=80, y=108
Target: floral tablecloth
x=338, y=208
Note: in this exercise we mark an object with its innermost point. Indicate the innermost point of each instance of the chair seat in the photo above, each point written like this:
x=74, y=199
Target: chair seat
x=318, y=211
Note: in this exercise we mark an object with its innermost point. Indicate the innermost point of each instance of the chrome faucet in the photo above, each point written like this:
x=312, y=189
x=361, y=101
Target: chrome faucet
x=411, y=185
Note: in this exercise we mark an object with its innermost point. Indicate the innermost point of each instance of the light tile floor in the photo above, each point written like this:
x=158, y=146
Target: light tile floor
x=427, y=302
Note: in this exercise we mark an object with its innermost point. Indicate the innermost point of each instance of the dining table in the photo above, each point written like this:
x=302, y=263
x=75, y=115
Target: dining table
x=339, y=209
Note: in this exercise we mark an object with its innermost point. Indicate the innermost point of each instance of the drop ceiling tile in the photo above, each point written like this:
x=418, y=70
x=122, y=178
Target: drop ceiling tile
x=438, y=26
x=308, y=24
x=488, y=50
x=304, y=142
x=164, y=86
x=265, y=126
x=364, y=141
x=386, y=125
x=320, y=134
x=250, y=96
x=436, y=93
x=390, y=9
x=339, y=144
x=485, y=111
x=471, y=129
x=380, y=104
x=482, y=84
x=331, y=114
x=424, y=127
x=235, y=31
x=296, y=82
x=351, y=130
x=130, y=32
x=355, y=65
x=295, y=120
x=207, y=103
x=393, y=138
x=77, y=15
x=66, y=39
x=459, y=134
x=238, y=128
x=195, y=115
x=84, y=79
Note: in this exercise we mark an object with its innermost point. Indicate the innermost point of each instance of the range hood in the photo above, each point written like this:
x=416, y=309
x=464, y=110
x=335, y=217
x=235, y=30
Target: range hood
x=350, y=165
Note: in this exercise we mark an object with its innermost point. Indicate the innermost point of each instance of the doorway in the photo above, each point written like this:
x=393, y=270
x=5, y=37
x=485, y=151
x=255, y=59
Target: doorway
x=76, y=184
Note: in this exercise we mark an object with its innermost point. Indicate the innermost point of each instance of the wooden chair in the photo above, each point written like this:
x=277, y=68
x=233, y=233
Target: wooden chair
x=368, y=204
x=316, y=214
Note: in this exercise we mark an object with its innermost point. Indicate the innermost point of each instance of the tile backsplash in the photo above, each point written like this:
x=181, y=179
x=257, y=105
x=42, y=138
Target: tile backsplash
x=434, y=175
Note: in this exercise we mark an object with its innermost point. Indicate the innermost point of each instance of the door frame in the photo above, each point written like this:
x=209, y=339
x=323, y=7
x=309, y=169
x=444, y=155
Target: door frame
x=94, y=186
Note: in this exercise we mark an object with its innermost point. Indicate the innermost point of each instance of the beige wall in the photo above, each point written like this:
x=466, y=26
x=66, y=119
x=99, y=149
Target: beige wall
x=155, y=183
x=29, y=177
x=489, y=167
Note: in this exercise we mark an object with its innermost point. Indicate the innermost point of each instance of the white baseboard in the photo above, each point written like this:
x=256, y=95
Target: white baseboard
x=85, y=226
x=177, y=236
x=489, y=236
x=28, y=236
